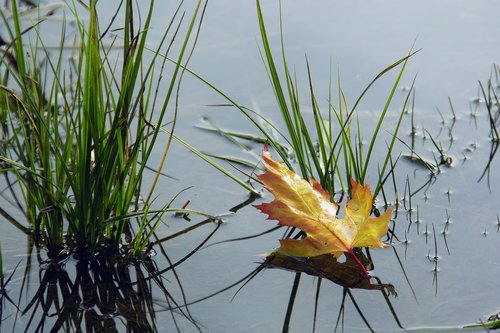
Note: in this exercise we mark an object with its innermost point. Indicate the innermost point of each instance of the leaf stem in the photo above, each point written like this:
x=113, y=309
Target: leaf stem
x=363, y=268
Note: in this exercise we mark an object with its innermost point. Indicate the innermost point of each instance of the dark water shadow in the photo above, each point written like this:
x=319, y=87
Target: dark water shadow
x=347, y=274
x=98, y=294
x=106, y=292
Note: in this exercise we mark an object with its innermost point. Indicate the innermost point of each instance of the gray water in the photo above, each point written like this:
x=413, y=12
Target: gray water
x=458, y=44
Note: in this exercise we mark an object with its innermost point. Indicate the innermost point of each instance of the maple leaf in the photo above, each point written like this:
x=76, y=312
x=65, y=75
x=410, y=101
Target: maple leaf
x=307, y=206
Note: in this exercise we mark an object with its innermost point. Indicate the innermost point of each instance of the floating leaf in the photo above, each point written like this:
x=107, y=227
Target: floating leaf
x=307, y=206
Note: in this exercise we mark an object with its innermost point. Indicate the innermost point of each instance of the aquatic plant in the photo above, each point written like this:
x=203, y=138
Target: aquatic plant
x=319, y=151
x=79, y=134
x=491, y=95
x=492, y=102
x=332, y=149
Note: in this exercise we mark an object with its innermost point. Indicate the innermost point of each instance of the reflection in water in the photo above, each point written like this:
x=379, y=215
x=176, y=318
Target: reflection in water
x=102, y=293
x=112, y=294
x=99, y=294
x=347, y=274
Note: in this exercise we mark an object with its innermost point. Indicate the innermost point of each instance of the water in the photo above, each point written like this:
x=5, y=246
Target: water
x=458, y=47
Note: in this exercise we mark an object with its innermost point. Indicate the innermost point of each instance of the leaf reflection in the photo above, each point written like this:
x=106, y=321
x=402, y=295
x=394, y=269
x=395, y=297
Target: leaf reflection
x=347, y=274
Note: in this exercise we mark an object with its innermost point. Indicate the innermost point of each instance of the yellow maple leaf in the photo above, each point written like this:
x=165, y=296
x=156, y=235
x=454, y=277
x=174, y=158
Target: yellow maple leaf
x=307, y=206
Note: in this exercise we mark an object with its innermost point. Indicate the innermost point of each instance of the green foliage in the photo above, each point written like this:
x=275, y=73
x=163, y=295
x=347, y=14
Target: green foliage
x=79, y=134
x=332, y=149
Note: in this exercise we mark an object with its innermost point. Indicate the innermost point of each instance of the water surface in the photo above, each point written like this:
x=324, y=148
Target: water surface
x=358, y=39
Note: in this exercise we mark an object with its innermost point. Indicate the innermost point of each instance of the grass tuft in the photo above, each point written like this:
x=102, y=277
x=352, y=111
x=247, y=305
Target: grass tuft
x=332, y=149
x=78, y=134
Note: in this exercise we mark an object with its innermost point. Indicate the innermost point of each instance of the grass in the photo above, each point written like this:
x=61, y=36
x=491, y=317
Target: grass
x=491, y=95
x=492, y=101
x=79, y=135
x=332, y=150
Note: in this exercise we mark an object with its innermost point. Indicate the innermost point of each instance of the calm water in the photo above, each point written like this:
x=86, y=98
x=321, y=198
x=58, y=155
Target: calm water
x=458, y=43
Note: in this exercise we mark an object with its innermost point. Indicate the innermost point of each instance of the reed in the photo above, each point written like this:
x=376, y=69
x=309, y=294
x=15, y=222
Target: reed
x=332, y=150
x=79, y=134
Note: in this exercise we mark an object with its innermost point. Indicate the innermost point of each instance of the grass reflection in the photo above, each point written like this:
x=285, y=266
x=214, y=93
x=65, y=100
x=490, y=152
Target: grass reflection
x=97, y=294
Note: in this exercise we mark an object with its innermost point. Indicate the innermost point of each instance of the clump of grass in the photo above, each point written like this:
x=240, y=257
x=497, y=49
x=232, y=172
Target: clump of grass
x=491, y=95
x=78, y=135
x=332, y=150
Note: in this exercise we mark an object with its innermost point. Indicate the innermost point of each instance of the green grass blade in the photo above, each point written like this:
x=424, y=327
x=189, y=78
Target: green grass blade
x=384, y=111
x=211, y=162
